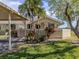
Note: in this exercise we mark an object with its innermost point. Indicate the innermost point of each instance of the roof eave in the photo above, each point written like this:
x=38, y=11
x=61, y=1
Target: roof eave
x=12, y=11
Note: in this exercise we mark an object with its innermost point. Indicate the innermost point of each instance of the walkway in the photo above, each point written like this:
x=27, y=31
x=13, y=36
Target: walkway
x=4, y=44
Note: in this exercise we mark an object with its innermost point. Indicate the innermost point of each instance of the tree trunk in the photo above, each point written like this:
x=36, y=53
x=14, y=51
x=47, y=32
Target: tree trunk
x=77, y=25
x=76, y=33
x=73, y=29
x=69, y=21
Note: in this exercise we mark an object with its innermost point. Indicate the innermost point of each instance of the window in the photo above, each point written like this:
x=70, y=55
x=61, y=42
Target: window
x=13, y=26
x=37, y=26
x=29, y=26
x=51, y=25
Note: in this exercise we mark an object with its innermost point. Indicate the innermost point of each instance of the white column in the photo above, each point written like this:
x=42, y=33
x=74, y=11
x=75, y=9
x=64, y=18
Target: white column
x=25, y=27
x=10, y=46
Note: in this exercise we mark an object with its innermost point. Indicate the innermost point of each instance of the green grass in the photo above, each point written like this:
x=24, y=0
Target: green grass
x=51, y=50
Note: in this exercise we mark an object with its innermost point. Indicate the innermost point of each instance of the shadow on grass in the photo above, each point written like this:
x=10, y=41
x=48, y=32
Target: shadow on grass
x=58, y=52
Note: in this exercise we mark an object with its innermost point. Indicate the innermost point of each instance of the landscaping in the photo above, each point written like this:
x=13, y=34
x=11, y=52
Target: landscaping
x=50, y=50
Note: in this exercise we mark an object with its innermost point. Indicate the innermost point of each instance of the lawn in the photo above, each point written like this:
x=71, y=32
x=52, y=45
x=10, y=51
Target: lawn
x=51, y=50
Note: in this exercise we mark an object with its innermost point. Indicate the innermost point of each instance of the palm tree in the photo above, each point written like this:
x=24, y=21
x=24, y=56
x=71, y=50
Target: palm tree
x=31, y=9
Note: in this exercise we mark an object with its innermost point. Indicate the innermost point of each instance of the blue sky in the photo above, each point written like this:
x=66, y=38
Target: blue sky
x=15, y=3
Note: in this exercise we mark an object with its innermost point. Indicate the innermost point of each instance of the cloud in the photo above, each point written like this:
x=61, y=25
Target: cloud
x=15, y=3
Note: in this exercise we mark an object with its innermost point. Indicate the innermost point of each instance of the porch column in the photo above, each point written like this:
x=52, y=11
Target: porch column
x=25, y=27
x=10, y=46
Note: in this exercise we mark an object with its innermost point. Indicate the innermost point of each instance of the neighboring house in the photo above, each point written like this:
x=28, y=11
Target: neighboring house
x=42, y=23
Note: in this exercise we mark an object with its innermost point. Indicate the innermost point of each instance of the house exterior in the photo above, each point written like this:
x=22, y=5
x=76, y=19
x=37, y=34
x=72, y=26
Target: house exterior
x=42, y=23
x=16, y=24
x=6, y=13
x=10, y=19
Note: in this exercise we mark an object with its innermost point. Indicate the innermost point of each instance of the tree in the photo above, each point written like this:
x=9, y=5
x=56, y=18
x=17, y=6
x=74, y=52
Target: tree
x=67, y=10
x=31, y=9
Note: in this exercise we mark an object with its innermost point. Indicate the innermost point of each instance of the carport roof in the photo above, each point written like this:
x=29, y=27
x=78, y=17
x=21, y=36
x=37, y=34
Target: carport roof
x=5, y=11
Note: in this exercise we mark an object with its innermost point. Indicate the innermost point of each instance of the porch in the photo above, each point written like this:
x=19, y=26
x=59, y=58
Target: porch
x=8, y=16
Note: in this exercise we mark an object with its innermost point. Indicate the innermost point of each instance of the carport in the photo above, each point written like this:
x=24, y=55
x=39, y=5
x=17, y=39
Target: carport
x=8, y=14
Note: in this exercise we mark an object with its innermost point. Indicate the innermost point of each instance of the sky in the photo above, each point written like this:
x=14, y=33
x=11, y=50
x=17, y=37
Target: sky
x=15, y=3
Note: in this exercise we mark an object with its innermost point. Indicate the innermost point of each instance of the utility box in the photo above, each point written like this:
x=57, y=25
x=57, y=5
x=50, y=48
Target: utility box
x=66, y=33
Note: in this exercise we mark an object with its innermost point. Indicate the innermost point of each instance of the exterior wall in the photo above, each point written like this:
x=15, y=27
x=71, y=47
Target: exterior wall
x=19, y=27
x=4, y=24
x=44, y=23
x=20, y=24
x=66, y=33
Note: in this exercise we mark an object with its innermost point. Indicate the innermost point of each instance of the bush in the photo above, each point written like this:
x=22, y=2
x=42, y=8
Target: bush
x=34, y=37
